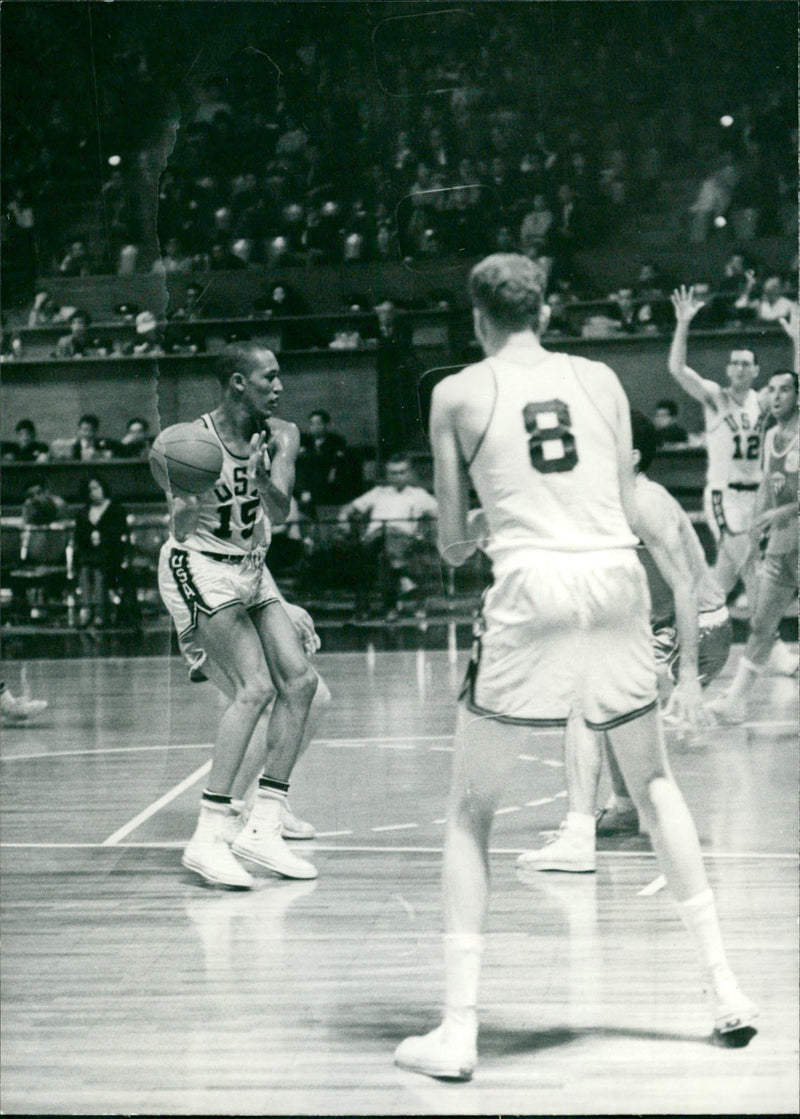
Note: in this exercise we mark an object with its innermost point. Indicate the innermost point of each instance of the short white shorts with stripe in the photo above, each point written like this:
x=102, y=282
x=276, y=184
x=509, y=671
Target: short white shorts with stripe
x=190, y=582
x=564, y=633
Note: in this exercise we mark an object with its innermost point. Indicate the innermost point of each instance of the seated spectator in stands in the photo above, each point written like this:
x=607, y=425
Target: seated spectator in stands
x=395, y=519
x=27, y=448
x=282, y=300
x=41, y=507
x=629, y=318
x=712, y=315
x=322, y=465
x=734, y=276
x=135, y=442
x=712, y=201
x=536, y=224
x=45, y=310
x=100, y=540
x=286, y=547
x=221, y=259
x=172, y=260
x=149, y=341
x=76, y=261
x=192, y=307
x=774, y=305
x=665, y=421
x=89, y=445
x=77, y=343
x=560, y=321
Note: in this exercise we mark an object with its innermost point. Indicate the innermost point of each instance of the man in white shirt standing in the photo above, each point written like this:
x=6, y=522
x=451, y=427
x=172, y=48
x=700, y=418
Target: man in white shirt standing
x=396, y=515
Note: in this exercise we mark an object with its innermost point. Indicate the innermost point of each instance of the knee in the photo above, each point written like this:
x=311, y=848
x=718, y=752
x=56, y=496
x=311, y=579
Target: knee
x=657, y=792
x=256, y=691
x=300, y=687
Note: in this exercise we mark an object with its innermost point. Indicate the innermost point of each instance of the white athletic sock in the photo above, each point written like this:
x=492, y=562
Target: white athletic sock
x=745, y=677
x=462, y=965
x=699, y=915
x=581, y=824
x=210, y=817
x=267, y=808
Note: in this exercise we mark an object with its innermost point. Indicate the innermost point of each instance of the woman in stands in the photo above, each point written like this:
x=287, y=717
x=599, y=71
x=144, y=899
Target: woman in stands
x=100, y=541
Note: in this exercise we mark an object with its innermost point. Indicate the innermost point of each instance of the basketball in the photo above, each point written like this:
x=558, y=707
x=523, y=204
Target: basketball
x=187, y=458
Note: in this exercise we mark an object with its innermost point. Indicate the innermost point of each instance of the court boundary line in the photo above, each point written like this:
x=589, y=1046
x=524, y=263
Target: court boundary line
x=777, y=724
x=157, y=805
x=379, y=849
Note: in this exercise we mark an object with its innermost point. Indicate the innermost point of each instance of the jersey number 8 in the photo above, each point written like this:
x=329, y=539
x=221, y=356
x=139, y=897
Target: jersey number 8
x=551, y=443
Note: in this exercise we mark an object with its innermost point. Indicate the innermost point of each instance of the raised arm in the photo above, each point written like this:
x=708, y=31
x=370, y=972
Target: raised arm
x=272, y=468
x=686, y=307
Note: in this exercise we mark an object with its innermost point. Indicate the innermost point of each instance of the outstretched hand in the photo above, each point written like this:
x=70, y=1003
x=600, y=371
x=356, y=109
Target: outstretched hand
x=258, y=462
x=686, y=304
x=685, y=710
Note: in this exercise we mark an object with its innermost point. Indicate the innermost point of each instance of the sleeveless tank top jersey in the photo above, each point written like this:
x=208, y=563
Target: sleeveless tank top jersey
x=232, y=520
x=781, y=468
x=733, y=442
x=546, y=467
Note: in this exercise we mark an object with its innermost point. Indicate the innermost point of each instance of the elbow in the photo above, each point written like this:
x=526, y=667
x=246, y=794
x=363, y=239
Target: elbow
x=457, y=553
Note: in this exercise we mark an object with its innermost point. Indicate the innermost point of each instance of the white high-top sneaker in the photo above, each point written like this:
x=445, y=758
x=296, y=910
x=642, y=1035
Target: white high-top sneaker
x=208, y=855
x=570, y=851
x=447, y=1052
x=263, y=843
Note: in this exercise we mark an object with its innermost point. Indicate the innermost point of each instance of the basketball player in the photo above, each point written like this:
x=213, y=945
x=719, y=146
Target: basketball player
x=691, y=635
x=734, y=423
x=775, y=512
x=545, y=440
x=214, y=582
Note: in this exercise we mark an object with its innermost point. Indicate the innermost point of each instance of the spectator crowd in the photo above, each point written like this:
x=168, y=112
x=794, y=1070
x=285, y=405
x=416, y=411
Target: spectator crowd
x=363, y=135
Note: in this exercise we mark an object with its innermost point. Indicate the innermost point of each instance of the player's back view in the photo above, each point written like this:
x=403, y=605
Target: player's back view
x=546, y=434
x=546, y=441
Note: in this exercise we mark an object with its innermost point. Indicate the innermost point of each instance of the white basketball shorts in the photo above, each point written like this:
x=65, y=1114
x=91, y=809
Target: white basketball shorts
x=563, y=633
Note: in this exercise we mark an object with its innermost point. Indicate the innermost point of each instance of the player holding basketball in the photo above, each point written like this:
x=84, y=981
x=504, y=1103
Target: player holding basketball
x=734, y=423
x=545, y=439
x=776, y=513
x=214, y=582
x=691, y=635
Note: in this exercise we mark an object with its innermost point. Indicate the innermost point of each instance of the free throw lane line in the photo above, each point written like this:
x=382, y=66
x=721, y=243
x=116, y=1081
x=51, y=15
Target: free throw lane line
x=157, y=805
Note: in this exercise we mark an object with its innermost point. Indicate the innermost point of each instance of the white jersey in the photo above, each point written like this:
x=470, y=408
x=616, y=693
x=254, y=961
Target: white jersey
x=232, y=519
x=733, y=442
x=546, y=467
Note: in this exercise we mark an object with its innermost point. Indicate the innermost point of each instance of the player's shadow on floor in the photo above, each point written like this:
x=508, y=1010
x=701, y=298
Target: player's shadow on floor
x=505, y=1041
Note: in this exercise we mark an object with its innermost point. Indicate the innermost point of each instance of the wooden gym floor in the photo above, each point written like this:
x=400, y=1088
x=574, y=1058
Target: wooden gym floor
x=129, y=986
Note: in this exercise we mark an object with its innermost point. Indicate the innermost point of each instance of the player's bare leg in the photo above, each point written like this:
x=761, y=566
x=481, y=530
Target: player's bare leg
x=639, y=747
x=619, y=815
x=244, y=787
x=484, y=755
x=295, y=683
x=229, y=637
x=256, y=761
x=774, y=598
x=573, y=849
